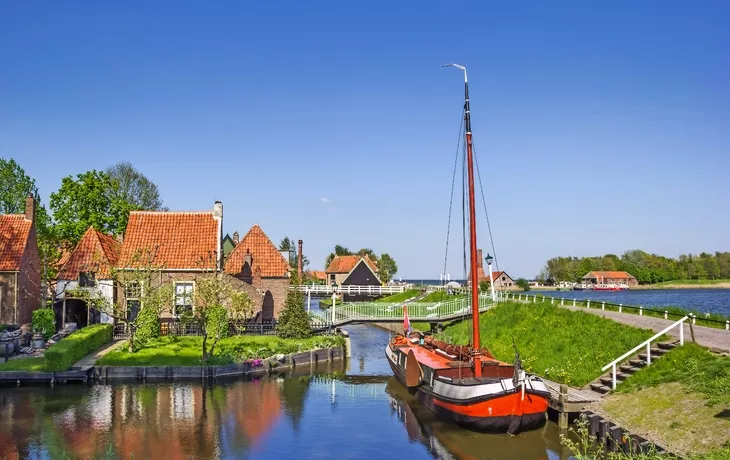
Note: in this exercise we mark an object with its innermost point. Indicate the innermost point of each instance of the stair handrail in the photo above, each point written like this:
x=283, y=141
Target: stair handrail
x=647, y=344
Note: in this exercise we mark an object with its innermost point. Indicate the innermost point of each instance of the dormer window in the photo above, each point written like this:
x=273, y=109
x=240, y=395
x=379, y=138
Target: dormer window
x=87, y=279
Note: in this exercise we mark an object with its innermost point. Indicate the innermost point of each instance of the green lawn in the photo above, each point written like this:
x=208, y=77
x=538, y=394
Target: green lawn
x=186, y=351
x=30, y=364
x=691, y=282
x=562, y=345
x=682, y=400
x=400, y=297
x=440, y=296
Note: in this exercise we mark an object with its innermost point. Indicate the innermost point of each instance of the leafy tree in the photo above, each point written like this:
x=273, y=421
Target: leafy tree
x=133, y=187
x=339, y=251
x=293, y=320
x=89, y=200
x=484, y=286
x=141, y=297
x=387, y=268
x=217, y=302
x=288, y=244
x=523, y=284
x=368, y=252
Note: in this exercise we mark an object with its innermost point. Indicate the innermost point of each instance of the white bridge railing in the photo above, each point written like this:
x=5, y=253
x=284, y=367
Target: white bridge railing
x=417, y=311
x=646, y=344
x=351, y=290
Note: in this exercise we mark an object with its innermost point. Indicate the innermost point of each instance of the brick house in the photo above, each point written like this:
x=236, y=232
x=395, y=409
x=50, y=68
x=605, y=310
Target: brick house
x=261, y=270
x=88, y=267
x=20, y=266
x=610, y=277
x=502, y=281
x=183, y=246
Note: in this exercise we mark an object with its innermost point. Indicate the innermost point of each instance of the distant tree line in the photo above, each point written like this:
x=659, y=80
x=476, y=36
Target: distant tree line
x=647, y=268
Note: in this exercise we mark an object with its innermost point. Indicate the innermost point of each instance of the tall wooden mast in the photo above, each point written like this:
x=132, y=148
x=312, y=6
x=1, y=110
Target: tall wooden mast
x=472, y=228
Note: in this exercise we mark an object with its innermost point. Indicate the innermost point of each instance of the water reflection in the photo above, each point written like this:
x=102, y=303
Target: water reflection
x=447, y=441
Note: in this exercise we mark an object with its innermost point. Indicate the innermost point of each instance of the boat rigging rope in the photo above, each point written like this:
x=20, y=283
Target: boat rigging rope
x=453, y=182
x=484, y=202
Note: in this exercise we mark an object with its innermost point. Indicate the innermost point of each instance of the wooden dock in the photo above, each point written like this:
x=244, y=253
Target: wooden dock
x=567, y=400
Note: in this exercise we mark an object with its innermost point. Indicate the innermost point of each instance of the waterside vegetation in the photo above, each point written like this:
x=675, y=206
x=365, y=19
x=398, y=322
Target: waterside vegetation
x=185, y=351
x=562, y=345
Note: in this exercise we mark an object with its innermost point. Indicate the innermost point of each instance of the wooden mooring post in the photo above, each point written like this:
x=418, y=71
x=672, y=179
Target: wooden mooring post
x=563, y=414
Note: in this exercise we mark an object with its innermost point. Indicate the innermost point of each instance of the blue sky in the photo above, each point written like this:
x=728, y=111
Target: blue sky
x=599, y=128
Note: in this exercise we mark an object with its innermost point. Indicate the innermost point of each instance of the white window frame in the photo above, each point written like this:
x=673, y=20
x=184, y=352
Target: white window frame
x=190, y=295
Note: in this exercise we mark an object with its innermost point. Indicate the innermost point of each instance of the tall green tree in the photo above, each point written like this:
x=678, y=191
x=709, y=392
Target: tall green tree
x=293, y=320
x=133, y=187
x=90, y=199
x=387, y=268
x=288, y=244
x=339, y=251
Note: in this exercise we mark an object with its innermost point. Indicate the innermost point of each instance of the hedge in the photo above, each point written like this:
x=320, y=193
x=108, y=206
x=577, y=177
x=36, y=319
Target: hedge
x=64, y=354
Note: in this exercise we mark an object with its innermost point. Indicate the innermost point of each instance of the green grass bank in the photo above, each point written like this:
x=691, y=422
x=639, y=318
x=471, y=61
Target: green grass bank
x=186, y=351
x=562, y=345
x=682, y=401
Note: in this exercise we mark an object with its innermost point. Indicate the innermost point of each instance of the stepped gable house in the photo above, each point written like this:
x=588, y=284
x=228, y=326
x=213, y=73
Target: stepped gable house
x=88, y=267
x=183, y=245
x=20, y=266
x=262, y=270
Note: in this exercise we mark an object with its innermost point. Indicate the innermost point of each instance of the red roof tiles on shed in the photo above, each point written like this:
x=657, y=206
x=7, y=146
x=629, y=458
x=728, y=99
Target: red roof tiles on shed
x=96, y=252
x=264, y=255
x=345, y=264
x=180, y=240
x=14, y=232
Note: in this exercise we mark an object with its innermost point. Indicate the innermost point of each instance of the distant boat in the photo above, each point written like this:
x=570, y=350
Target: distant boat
x=582, y=287
x=610, y=287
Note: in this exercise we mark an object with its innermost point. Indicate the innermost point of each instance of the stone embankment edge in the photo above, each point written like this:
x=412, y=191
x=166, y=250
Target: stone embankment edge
x=108, y=373
x=614, y=438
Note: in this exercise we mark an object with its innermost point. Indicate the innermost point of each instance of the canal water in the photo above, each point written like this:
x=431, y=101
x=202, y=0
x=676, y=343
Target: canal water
x=341, y=411
x=701, y=300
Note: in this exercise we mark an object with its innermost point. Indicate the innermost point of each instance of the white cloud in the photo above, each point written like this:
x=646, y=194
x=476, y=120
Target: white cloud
x=325, y=200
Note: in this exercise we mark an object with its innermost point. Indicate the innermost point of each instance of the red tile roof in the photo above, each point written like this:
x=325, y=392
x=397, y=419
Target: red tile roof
x=180, y=240
x=317, y=274
x=607, y=275
x=14, y=232
x=345, y=264
x=264, y=255
x=96, y=252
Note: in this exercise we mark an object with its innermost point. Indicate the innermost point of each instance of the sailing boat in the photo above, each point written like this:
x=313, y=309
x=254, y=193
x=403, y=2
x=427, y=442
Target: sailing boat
x=461, y=383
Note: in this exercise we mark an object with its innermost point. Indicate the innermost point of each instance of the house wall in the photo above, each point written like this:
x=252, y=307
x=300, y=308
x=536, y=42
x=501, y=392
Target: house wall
x=361, y=276
x=29, y=280
x=339, y=278
x=103, y=288
x=504, y=282
x=7, y=297
x=277, y=286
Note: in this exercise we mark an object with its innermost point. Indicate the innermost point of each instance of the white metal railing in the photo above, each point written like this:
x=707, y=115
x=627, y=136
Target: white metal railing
x=351, y=289
x=417, y=311
x=647, y=344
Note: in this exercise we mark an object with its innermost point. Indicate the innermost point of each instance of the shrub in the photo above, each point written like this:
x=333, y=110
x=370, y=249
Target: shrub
x=147, y=327
x=44, y=321
x=294, y=321
x=484, y=286
x=64, y=354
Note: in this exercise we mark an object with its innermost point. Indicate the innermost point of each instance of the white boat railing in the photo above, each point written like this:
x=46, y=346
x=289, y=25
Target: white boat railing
x=647, y=344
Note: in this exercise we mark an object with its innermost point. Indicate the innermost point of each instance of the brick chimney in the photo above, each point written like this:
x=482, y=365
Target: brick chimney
x=30, y=208
x=235, y=238
x=299, y=261
x=480, y=259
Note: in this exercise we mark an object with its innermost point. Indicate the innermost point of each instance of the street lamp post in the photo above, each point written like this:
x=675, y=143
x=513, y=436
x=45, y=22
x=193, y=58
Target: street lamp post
x=491, y=277
x=334, y=300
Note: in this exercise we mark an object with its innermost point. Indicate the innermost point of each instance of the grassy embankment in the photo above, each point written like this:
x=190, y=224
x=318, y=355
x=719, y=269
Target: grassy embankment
x=562, y=345
x=675, y=313
x=186, y=351
x=688, y=284
x=394, y=298
x=682, y=402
